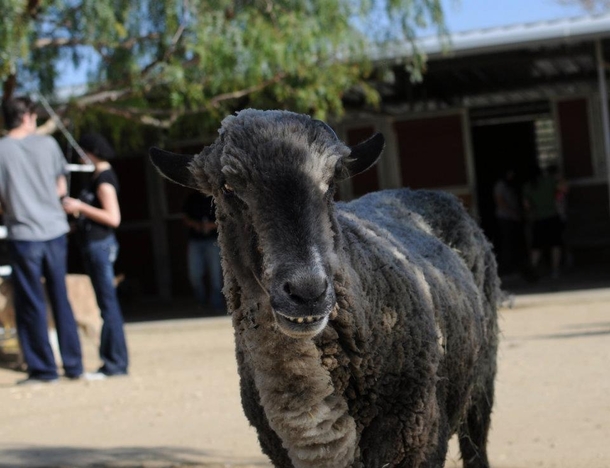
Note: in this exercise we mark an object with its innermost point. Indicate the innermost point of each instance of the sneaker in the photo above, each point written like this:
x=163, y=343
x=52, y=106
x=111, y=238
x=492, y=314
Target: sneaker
x=103, y=370
x=37, y=381
x=73, y=376
x=93, y=376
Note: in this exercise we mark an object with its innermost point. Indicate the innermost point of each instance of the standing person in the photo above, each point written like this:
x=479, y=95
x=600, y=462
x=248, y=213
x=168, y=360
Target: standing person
x=32, y=180
x=561, y=202
x=98, y=215
x=541, y=204
x=509, y=223
x=203, y=254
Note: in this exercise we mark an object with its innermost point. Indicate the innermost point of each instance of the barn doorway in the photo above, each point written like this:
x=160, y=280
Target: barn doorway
x=517, y=142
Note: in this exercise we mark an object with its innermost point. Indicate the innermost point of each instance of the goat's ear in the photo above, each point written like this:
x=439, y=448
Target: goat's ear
x=364, y=155
x=173, y=166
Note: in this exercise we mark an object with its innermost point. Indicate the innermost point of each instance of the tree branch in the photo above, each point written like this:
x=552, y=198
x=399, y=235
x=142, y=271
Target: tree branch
x=142, y=118
x=138, y=114
x=102, y=96
x=47, y=128
x=168, y=52
x=244, y=92
x=8, y=87
x=57, y=42
x=69, y=42
x=33, y=8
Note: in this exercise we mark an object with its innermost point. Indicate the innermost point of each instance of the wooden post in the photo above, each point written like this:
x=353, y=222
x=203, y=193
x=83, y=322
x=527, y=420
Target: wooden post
x=158, y=230
x=603, y=96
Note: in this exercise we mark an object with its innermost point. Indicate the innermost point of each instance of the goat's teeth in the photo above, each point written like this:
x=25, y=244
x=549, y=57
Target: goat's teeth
x=308, y=319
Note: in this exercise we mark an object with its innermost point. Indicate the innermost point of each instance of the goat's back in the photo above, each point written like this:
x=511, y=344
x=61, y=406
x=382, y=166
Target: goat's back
x=428, y=227
x=421, y=256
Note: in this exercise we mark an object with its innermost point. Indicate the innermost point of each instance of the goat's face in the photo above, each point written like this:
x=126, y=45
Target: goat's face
x=272, y=175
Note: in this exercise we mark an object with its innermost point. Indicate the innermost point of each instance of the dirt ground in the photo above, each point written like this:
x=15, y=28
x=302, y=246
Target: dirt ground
x=180, y=405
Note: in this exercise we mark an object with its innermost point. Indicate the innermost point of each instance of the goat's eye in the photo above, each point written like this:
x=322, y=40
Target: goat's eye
x=228, y=190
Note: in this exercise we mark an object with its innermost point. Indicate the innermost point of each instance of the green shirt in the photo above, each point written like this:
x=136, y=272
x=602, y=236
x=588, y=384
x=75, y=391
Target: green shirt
x=541, y=197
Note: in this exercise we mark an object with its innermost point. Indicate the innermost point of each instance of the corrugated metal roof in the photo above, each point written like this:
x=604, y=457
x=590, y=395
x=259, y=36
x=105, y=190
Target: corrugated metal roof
x=511, y=37
x=496, y=66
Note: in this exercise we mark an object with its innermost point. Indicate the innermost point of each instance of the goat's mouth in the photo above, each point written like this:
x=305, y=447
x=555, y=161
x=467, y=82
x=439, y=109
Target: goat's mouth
x=300, y=327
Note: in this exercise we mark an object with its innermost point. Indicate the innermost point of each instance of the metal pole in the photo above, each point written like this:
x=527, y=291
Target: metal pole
x=88, y=167
x=603, y=95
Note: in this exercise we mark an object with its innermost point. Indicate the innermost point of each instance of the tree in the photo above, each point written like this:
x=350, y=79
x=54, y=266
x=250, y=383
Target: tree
x=157, y=61
x=589, y=5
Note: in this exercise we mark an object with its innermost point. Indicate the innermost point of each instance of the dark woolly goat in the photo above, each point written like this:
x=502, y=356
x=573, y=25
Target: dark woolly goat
x=365, y=332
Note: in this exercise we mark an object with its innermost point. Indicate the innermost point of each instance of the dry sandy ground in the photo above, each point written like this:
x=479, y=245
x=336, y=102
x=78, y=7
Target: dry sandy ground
x=180, y=406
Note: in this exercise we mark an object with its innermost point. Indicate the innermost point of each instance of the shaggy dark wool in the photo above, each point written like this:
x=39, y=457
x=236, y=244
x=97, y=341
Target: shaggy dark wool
x=405, y=279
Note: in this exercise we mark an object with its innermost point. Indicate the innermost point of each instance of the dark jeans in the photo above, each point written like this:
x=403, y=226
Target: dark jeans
x=32, y=260
x=204, y=260
x=99, y=257
x=512, y=250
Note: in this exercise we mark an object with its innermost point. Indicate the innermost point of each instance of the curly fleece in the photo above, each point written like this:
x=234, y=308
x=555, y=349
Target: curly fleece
x=408, y=357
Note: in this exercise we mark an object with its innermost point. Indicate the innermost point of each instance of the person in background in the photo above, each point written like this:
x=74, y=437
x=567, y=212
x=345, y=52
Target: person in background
x=509, y=223
x=539, y=198
x=203, y=254
x=32, y=181
x=561, y=202
x=98, y=215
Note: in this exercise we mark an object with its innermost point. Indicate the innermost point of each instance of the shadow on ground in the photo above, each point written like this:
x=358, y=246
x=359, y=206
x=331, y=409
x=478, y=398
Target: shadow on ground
x=10, y=356
x=575, y=279
x=123, y=457
x=585, y=331
x=151, y=309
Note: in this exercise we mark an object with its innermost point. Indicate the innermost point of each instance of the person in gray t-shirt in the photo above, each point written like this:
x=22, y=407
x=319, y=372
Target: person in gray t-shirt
x=32, y=181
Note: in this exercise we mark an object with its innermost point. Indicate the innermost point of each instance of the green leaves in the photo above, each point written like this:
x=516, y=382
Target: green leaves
x=15, y=30
x=209, y=57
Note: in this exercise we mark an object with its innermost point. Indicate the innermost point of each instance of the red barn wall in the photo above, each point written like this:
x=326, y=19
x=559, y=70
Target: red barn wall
x=432, y=152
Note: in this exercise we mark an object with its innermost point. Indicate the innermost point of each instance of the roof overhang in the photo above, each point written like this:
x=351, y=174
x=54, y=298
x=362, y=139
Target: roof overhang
x=506, y=38
x=495, y=66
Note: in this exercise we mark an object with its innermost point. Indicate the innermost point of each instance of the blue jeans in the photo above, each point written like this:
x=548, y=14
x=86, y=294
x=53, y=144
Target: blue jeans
x=204, y=260
x=32, y=260
x=99, y=257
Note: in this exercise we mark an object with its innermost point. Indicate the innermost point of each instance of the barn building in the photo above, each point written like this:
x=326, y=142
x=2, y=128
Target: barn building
x=523, y=95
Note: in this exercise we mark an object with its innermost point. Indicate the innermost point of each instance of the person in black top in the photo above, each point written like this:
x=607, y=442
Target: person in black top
x=98, y=215
x=203, y=255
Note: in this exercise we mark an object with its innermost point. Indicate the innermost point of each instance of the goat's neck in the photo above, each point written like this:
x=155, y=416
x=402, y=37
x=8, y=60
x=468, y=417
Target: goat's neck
x=296, y=390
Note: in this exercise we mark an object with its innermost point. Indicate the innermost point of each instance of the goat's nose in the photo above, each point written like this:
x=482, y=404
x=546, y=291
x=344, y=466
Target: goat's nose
x=306, y=289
